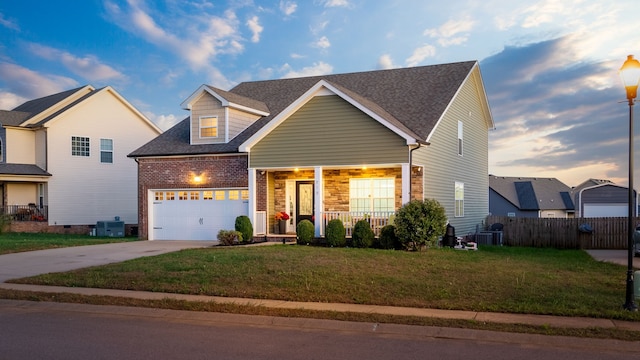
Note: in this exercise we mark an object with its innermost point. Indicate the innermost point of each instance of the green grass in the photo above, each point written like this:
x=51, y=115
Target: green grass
x=495, y=279
x=20, y=242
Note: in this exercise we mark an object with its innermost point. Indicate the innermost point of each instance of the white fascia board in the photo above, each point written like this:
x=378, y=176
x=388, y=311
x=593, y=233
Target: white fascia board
x=306, y=97
x=224, y=102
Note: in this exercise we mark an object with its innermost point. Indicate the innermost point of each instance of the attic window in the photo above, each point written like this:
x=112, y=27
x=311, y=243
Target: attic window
x=208, y=127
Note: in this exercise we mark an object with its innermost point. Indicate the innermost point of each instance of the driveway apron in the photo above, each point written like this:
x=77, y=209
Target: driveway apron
x=18, y=265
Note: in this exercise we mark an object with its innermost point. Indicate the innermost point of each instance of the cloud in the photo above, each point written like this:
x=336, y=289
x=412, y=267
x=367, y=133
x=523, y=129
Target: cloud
x=385, y=62
x=337, y=3
x=9, y=100
x=319, y=68
x=297, y=56
x=21, y=83
x=420, y=54
x=288, y=7
x=164, y=122
x=453, y=32
x=8, y=23
x=88, y=67
x=322, y=43
x=255, y=28
x=555, y=112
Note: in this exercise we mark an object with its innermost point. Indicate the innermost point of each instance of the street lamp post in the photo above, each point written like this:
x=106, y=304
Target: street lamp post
x=630, y=74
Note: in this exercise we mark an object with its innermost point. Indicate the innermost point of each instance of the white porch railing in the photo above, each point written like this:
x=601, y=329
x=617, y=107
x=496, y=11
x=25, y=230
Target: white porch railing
x=377, y=219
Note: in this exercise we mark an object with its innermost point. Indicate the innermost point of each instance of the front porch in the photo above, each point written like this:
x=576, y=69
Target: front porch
x=348, y=194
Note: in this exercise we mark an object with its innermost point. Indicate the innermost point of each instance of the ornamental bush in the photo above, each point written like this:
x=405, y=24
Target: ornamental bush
x=305, y=232
x=336, y=234
x=362, y=236
x=229, y=237
x=388, y=238
x=419, y=224
x=243, y=225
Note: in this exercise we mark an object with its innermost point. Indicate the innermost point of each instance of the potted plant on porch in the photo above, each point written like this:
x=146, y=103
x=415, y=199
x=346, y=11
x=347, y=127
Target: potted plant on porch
x=281, y=218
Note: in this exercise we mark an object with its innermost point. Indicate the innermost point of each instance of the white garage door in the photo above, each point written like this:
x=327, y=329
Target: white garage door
x=195, y=214
x=606, y=210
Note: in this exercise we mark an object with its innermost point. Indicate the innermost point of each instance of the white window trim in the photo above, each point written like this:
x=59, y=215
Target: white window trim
x=78, y=138
x=371, y=204
x=106, y=151
x=457, y=214
x=200, y=127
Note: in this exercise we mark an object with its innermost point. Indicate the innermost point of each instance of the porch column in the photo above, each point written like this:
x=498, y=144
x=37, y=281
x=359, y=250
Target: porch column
x=252, y=198
x=318, y=206
x=406, y=183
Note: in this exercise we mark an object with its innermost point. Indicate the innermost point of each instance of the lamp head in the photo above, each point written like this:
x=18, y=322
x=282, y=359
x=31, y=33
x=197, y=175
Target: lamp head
x=630, y=74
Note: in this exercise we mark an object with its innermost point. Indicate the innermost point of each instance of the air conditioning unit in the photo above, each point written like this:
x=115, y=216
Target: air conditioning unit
x=110, y=228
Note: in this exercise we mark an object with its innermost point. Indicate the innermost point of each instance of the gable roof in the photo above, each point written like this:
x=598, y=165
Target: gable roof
x=528, y=193
x=409, y=100
x=22, y=169
x=39, y=112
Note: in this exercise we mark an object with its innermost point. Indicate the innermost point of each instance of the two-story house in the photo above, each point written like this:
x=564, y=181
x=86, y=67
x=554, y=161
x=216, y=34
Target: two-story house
x=63, y=160
x=348, y=146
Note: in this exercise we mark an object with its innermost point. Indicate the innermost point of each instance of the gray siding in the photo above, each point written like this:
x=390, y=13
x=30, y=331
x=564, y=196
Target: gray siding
x=328, y=131
x=238, y=121
x=443, y=165
x=207, y=105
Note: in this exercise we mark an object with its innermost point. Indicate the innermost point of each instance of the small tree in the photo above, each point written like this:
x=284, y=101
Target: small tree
x=362, y=234
x=420, y=223
x=305, y=232
x=336, y=233
x=243, y=225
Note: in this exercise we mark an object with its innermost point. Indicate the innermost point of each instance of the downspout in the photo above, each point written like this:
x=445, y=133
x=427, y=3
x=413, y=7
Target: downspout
x=411, y=150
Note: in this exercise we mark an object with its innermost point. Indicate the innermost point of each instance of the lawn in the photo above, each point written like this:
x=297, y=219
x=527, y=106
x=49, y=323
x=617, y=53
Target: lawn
x=20, y=242
x=496, y=279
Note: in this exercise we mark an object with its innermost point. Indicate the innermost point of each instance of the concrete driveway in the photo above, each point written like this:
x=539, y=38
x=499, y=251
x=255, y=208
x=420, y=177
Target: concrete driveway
x=619, y=257
x=18, y=265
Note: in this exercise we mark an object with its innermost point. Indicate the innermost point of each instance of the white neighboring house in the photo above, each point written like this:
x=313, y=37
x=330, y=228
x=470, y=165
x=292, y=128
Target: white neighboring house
x=64, y=159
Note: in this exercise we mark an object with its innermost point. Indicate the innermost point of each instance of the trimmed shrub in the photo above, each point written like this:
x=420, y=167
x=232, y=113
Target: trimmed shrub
x=362, y=236
x=243, y=225
x=229, y=237
x=388, y=238
x=336, y=234
x=419, y=224
x=305, y=232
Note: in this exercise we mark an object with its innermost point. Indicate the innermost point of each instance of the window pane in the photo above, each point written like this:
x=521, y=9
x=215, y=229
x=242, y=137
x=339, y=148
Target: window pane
x=207, y=195
x=208, y=126
x=171, y=195
x=220, y=195
x=234, y=195
x=195, y=195
x=79, y=146
x=159, y=195
x=182, y=195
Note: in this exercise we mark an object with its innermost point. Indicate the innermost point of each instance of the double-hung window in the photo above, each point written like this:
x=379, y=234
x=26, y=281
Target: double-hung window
x=106, y=151
x=208, y=127
x=459, y=199
x=79, y=146
x=372, y=194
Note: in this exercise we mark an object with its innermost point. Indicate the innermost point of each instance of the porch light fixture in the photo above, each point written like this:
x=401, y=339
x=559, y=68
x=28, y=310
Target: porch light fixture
x=630, y=74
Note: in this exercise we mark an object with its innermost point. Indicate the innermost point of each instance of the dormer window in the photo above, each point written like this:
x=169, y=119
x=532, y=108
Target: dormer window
x=208, y=127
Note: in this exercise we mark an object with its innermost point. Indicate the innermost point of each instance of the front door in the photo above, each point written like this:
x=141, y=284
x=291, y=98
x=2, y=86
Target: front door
x=304, y=201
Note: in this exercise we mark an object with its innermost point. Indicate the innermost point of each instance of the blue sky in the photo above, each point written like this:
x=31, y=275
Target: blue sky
x=550, y=67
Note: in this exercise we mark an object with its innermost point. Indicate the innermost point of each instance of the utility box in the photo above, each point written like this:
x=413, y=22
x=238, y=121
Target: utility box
x=110, y=228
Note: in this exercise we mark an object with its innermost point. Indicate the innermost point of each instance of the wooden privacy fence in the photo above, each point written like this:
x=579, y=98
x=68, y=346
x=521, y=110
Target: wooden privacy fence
x=608, y=233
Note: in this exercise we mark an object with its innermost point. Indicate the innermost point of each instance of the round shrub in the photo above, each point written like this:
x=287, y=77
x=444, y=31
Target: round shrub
x=243, y=225
x=229, y=237
x=419, y=224
x=362, y=236
x=336, y=234
x=305, y=232
x=388, y=238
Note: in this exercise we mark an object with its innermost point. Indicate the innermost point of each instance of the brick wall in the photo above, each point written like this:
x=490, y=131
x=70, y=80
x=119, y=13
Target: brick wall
x=180, y=173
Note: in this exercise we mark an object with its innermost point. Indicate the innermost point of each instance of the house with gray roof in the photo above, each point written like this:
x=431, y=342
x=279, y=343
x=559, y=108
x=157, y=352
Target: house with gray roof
x=63, y=163
x=348, y=146
x=532, y=197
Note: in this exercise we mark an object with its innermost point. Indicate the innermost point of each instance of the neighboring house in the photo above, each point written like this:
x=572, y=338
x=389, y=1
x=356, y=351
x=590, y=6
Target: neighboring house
x=348, y=146
x=602, y=198
x=529, y=197
x=64, y=162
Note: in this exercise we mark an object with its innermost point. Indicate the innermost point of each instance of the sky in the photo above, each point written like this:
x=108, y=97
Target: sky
x=550, y=67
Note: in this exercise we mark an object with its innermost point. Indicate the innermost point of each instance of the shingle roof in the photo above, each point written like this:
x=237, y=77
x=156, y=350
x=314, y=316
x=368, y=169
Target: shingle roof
x=22, y=169
x=240, y=100
x=413, y=99
x=13, y=118
x=36, y=106
x=529, y=193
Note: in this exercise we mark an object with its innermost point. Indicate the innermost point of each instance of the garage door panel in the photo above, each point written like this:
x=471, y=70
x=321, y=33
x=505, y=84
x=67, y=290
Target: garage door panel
x=196, y=216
